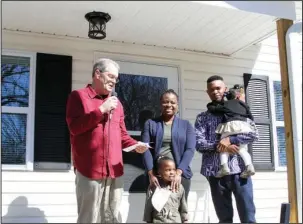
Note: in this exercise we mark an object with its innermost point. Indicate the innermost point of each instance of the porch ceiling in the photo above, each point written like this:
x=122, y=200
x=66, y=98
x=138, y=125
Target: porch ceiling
x=177, y=24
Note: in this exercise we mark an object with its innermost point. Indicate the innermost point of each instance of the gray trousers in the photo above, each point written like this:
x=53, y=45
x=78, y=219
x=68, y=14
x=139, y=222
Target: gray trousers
x=98, y=201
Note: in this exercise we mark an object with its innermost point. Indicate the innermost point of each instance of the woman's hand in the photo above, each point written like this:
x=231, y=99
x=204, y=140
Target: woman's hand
x=153, y=180
x=175, y=184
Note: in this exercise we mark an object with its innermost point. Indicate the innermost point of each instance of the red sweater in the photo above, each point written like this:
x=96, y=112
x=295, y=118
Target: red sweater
x=93, y=155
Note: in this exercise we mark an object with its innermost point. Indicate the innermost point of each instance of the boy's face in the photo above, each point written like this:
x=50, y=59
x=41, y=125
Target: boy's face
x=216, y=90
x=168, y=171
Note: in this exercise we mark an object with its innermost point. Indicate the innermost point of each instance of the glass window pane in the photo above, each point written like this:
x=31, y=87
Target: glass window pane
x=281, y=146
x=13, y=138
x=15, y=73
x=278, y=101
x=139, y=93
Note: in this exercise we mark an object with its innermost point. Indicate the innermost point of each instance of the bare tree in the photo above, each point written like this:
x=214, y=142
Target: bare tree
x=137, y=93
x=14, y=92
x=14, y=85
x=13, y=138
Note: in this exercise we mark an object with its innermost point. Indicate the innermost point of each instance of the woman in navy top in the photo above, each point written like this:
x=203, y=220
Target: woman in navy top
x=170, y=136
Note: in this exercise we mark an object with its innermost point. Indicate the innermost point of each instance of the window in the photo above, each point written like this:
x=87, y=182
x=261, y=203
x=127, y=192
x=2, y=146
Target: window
x=279, y=124
x=33, y=114
x=139, y=94
x=139, y=89
x=264, y=97
x=17, y=104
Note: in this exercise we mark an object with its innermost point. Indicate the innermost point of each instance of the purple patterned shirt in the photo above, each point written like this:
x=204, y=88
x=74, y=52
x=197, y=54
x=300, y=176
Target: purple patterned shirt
x=207, y=140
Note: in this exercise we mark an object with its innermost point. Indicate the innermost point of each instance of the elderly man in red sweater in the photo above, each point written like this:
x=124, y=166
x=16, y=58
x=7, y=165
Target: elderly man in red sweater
x=97, y=132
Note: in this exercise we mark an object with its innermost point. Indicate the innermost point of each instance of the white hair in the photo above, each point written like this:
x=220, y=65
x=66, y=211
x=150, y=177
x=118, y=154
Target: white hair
x=103, y=65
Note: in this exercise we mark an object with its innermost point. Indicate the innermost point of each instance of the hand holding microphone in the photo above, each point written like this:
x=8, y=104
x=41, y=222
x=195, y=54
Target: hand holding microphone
x=110, y=104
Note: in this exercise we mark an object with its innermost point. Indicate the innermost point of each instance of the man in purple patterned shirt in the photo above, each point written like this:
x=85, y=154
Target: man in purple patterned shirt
x=210, y=146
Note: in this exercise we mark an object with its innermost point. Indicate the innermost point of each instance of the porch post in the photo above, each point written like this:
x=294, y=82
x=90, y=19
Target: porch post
x=282, y=26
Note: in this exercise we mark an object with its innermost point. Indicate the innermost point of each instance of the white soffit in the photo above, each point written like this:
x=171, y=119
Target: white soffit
x=180, y=25
x=279, y=9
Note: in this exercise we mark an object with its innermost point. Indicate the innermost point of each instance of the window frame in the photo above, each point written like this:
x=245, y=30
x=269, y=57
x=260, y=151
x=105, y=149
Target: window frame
x=29, y=111
x=136, y=62
x=275, y=124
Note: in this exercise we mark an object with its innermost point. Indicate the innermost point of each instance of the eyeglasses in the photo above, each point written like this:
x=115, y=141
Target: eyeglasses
x=109, y=76
x=112, y=77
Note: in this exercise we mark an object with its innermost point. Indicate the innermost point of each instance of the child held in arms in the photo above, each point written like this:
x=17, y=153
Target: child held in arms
x=237, y=119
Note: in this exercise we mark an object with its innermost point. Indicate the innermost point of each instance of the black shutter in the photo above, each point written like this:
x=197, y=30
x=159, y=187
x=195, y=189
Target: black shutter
x=258, y=98
x=53, y=84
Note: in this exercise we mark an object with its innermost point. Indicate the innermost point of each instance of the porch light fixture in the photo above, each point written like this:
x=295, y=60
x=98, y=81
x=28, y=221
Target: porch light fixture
x=97, y=24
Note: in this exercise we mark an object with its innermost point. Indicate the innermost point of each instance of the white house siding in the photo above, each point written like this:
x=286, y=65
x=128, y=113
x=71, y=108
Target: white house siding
x=298, y=5
x=299, y=19
x=53, y=192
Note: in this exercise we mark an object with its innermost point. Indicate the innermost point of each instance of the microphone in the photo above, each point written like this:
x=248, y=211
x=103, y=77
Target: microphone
x=111, y=112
